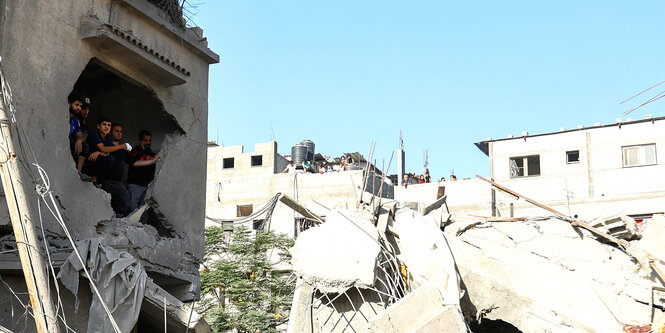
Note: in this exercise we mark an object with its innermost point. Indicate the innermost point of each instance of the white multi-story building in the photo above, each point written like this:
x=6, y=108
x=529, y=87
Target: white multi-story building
x=588, y=171
x=592, y=172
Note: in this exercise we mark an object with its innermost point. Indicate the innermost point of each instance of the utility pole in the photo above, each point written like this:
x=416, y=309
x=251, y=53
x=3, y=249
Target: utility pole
x=27, y=243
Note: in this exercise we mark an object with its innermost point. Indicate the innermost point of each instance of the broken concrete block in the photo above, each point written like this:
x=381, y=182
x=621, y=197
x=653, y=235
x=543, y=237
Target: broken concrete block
x=341, y=253
x=426, y=253
x=619, y=226
x=658, y=324
x=449, y=320
x=416, y=308
x=653, y=237
x=301, y=310
x=539, y=276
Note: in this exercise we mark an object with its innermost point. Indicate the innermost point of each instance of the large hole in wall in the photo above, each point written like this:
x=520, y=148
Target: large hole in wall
x=125, y=101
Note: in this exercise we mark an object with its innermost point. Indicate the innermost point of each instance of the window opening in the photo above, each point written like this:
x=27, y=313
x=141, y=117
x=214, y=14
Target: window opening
x=257, y=160
x=639, y=155
x=524, y=166
x=573, y=156
x=228, y=163
x=244, y=210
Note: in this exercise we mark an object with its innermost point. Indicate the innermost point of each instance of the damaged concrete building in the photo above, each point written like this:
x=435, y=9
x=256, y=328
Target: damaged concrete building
x=453, y=256
x=143, y=67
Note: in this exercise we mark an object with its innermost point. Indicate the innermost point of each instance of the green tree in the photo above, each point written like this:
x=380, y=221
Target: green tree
x=239, y=284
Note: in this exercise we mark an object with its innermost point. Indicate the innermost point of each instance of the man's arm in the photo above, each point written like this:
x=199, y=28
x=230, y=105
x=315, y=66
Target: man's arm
x=78, y=146
x=143, y=163
x=110, y=149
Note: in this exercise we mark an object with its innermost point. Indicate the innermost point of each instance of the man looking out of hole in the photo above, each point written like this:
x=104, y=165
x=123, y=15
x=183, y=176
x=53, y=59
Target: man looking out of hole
x=75, y=133
x=100, y=162
x=141, y=162
x=113, y=182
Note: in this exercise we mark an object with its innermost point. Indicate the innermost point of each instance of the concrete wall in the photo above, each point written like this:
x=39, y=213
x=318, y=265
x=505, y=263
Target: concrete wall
x=43, y=53
x=229, y=189
x=468, y=196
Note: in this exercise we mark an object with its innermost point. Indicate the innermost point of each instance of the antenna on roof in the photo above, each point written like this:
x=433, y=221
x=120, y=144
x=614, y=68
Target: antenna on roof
x=217, y=135
x=272, y=133
x=425, y=158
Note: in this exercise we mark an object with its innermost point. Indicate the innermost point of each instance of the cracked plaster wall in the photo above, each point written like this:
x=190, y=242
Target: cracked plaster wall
x=42, y=57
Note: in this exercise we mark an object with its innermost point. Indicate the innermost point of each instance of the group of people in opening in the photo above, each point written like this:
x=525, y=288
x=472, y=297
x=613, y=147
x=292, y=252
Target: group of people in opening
x=323, y=167
x=101, y=156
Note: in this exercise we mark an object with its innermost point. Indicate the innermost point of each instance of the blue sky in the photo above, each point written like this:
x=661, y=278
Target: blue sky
x=447, y=74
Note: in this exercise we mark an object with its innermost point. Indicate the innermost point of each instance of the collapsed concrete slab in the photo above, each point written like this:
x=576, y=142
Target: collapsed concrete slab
x=340, y=254
x=542, y=275
x=422, y=310
x=426, y=253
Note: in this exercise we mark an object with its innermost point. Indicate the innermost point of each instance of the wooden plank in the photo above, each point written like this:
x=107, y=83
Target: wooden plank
x=572, y=221
x=302, y=210
x=436, y=204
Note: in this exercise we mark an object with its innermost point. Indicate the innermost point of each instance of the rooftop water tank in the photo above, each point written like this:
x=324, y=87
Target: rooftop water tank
x=298, y=154
x=310, y=149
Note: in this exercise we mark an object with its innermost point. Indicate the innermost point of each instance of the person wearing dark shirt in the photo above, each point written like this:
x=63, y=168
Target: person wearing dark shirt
x=100, y=162
x=141, y=162
x=83, y=126
x=113, y=182
x=75, y=133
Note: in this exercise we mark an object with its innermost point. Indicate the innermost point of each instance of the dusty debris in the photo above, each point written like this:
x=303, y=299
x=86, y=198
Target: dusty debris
x=340, y=254
x=544, y=276
x=422, y=310
x=426, y=253
x=357, y=276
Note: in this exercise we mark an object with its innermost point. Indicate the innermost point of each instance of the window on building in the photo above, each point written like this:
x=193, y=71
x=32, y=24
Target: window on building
x=524, y=166
x=257, y=160
x=639, y=155
x=228, y=162
x=573, y=156
x=244, y=210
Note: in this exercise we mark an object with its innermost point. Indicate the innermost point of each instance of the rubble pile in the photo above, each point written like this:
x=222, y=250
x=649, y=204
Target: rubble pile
x=542, y=275
x=531, y=274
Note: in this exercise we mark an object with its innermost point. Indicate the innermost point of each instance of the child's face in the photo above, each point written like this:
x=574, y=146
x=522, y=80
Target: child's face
x=104, y=127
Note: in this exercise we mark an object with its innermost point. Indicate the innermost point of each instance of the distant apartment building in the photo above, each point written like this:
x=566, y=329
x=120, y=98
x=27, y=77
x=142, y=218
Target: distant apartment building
x=591, y=172
x=241, y=187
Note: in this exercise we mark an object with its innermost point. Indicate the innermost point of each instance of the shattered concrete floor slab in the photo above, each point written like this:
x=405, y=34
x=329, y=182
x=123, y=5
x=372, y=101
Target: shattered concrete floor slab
x=545, y=276
x=341, y=253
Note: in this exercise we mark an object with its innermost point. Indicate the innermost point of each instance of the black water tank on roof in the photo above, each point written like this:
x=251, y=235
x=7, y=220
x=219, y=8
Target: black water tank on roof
x=310, y=149
x=298, y=153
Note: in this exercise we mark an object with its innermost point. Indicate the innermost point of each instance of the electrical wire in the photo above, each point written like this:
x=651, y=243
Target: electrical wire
x=43, y=190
